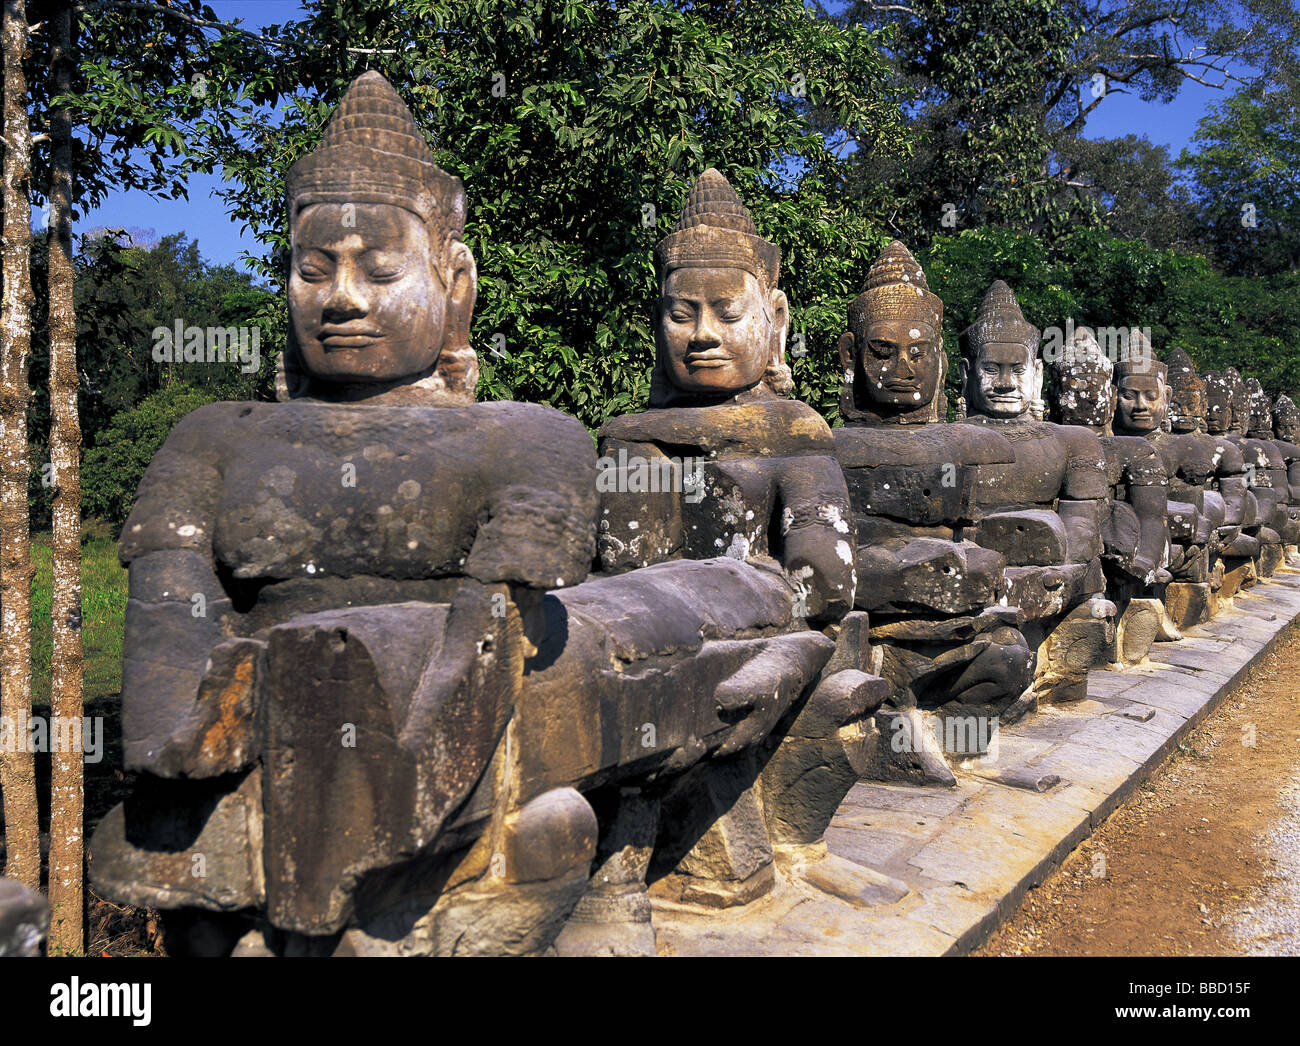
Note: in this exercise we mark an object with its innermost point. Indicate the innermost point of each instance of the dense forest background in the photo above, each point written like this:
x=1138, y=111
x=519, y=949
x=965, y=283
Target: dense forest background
x=578, y=127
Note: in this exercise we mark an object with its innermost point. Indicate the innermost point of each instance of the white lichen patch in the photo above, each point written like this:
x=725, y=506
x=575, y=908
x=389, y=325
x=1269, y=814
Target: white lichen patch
x=831, y=514
x=739, y=547
x=843, y=551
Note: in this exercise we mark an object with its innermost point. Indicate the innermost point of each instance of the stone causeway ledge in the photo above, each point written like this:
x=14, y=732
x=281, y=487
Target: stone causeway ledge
x=969, y=853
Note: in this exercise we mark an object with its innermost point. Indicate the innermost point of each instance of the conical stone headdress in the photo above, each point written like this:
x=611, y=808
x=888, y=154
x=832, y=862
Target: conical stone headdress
x=1182, y=374
x=896, y=288
x=373, y=152
x=1140, y=358
x=715, y=230
x=999, y=319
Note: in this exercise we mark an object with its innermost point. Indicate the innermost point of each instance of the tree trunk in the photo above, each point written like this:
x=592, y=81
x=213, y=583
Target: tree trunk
x=17, y=768
x=67, y=860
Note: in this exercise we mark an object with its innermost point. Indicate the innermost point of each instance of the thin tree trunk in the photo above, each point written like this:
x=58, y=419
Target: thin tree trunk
x=17, y=768
x=67, y=853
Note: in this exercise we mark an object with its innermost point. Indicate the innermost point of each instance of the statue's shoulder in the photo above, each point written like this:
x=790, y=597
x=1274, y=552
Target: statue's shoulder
x=1077, y=439
x=759, y=428
x=213, y=424
x=958, y=444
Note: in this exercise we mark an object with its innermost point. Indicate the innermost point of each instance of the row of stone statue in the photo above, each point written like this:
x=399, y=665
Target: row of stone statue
x=410, y=674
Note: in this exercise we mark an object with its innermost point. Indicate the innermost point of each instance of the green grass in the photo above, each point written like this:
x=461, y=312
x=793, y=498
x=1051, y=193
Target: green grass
x=103, y=612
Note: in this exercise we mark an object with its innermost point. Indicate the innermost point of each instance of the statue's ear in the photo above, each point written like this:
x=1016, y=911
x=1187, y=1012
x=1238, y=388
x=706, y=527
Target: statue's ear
x=461, y=277
x=846, y=346
x=965, y=373
x=778, y=375
x=780, y=305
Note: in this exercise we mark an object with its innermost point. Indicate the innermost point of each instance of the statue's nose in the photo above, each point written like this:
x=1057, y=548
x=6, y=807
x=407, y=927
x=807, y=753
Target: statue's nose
x=345, y=301
x=706, y=331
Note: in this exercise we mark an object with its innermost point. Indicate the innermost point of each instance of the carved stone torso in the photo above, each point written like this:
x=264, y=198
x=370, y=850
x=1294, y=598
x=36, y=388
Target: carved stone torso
x=765, y=483
x=309, y=491
x=1051, y=462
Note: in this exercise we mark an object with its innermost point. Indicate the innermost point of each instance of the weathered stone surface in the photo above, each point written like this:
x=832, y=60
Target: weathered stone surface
x=24, y=920
x=184, y=845
x=1187, y=604
x=1026, y=539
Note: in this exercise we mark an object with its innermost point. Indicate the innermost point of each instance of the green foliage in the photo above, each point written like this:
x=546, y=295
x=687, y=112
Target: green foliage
x=1096, y=280
x=103, y=613
x=985, y=132
x=1245, y=176
x=581, y=158
x=122, y=293
x=113, y=468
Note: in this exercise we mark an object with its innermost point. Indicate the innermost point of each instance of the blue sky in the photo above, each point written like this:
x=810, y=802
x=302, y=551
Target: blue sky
x=203, y=216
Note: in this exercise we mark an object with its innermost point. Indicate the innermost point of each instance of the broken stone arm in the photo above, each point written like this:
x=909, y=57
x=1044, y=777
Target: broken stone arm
x=817, y=535
x=1082, y=528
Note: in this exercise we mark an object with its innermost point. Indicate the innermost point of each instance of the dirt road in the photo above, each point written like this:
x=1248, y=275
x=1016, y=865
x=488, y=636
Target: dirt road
x=1205, y=858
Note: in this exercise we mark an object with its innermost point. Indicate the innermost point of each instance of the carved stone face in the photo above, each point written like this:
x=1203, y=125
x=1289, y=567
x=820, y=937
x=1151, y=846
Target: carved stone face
x=1142, y=404
x=1286, y=422
x=1261, y=415
x=1218, y=409
x=1186, y=409
x=366, y=300
x=717, y=330
x=902, y=362
x=1004, y=381
x=1084, y=395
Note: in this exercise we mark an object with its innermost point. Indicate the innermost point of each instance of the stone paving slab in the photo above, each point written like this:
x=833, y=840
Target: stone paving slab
x=969, y=853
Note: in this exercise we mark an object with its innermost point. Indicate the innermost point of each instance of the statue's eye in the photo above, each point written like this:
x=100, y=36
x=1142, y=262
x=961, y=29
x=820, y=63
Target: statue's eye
x=311, y=273
x=882, y=349
x=385, y=274
x=680, y=315
x=915, y=351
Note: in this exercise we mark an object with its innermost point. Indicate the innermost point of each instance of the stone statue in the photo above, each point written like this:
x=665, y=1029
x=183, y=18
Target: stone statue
x=760, y=488
x=1286, y=517
x=1043, y=511
x=1227, y=414
x=24, y=920
x=947, y=639
x=323, y=648
x=1135, y=535
x=1286, y=424
x=1209, y=498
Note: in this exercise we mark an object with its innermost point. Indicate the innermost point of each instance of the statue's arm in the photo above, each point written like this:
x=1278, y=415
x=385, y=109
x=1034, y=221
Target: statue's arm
x=1084, y=495
x=817, y=539
x=1148, y=493
x=177, y=607
x=1230, y=470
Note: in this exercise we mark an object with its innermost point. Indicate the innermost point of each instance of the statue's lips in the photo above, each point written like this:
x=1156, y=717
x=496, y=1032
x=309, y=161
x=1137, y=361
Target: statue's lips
x=335, y=338
x=707, y=360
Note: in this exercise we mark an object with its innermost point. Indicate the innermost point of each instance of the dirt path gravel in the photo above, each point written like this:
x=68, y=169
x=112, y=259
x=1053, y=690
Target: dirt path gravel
x=1205, y=858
